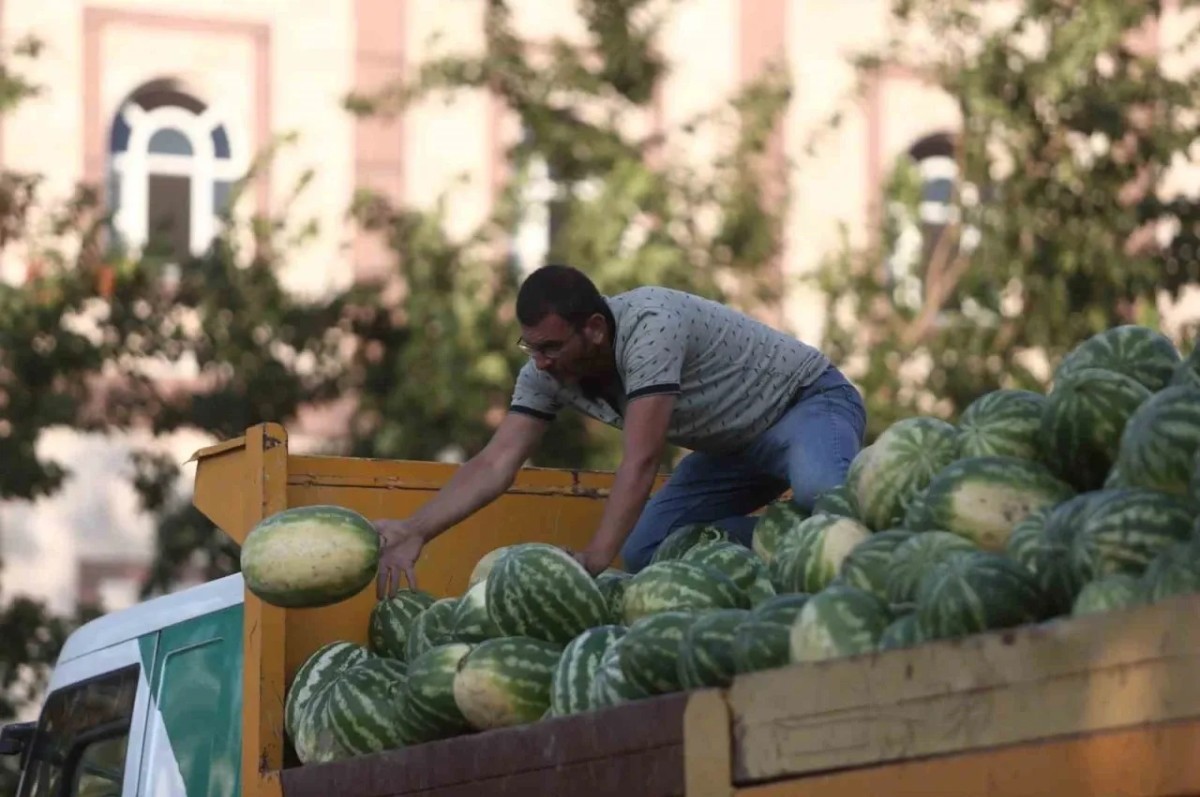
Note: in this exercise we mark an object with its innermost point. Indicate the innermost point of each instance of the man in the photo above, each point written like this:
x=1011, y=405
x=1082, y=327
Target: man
x=759, y=410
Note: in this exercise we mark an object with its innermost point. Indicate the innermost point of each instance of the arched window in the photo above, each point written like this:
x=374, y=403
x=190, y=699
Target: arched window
x=172, y=168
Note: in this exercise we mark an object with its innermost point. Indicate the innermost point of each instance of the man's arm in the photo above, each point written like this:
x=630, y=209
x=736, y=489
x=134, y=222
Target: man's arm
x=646, y=422
x=482, y=478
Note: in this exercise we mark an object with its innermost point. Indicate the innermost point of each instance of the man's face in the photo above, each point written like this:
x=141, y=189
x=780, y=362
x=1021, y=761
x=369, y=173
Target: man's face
x=565, y=353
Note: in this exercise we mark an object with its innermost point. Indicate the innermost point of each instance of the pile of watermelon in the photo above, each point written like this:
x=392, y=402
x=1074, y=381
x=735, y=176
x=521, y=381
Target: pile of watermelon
x=1031, y=507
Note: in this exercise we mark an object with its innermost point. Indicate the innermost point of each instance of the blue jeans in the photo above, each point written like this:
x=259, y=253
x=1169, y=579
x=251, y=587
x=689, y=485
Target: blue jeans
x=809, y=449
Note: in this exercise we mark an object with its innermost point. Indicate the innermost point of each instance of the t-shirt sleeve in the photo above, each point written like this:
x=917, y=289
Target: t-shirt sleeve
x=654, y=354
x=535, y=394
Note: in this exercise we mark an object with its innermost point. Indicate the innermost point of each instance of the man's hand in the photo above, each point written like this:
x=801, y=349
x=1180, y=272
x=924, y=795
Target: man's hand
x=593, y=561
x=401, y=548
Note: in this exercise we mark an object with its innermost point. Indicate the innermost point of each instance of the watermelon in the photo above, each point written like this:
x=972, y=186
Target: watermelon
x=683, y=538
x=1002, y=423
x=916, y=517
x=433, y=627
x=1110, y=593
x=649, y=651
x=471, y=621
x=1126, y=529
x=776, y=520
x=841, y=620
x=1082, y=424
x=310, y=556
x=809, y=557
x=1026, y=537
x=504, y=682
x=1188, y=371
x=977, y=592
x=743, y=567
x=1158, y=447
x=1048, y=552
x=392, y=618
x=361, y=712
x=836, y=501
x=678, y=585
x=982, y=498
x=916, y=556
x=313, y=680
x=904, y=632
x=571, y=685
x=430, y=712
x=706, y=651
x=609, y=685
x=485, y=564
x=763, y=640
x=869, y=563
x=611, y=584
x=540, y=591
x=1114, y=478
x=1175, y=571
x=1139, y=352
x=900, y=463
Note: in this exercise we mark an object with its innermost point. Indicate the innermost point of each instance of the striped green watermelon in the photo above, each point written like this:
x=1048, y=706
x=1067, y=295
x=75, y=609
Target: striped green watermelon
x=776, y=520
x=540, y=591
x=978, y=592
x=360, y=714
x=763, y=640
x=649, y=651
x=904, y=632
x=916, y=517
x=1002, y=423
x=743, y=567
x=900, y=463
x=434, y=626
x=429, y=710
x=678, y=585
x=1107, y=594
x=571, y=686
x=706, y=651
x=1026, y=538
x=1047, y=554
x=1126, y=529
x=809, y=557
x=485, y=564
x=611, y=584
x=1136, y=351
x=869, y=564
x=506, y=681
x=982, y=498
x=310, y=556
x=609, y=686
x=391, y=619
x=836, y=501
x=918, y=555
x=1158, y=447
x=1114, y=478
x=1188, y=370
x=1081, y=427
x=683, y=538
x=311, y=683
x=841, y=620
x=471, y=621
x=1174, y=572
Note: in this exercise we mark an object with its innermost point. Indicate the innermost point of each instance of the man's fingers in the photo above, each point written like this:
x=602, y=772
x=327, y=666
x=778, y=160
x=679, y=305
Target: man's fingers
x=411, y=575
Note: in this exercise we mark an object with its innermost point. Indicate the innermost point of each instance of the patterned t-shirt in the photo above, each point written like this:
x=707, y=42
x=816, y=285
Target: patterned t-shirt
x=734, y=375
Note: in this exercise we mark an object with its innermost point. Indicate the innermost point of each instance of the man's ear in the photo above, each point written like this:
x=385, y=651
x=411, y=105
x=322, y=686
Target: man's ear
x=596, y=329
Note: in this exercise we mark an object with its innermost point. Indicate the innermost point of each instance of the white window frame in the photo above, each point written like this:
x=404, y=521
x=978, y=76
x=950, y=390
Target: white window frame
x=136, y=164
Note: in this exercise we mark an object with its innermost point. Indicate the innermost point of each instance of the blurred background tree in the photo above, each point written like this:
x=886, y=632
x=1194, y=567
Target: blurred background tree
x=1054, y=220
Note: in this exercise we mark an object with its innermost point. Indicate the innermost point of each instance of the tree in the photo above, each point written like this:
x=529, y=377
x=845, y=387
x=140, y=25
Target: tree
x=1062, y=222
x=437, y=371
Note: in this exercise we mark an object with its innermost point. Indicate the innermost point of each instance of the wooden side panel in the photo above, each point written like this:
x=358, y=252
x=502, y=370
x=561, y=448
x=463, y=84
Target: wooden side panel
x=635, y=749
x=1088, y=674
x=1158, y=761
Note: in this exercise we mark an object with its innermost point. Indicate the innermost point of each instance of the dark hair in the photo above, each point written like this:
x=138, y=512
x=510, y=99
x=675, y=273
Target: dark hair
x=558, y=290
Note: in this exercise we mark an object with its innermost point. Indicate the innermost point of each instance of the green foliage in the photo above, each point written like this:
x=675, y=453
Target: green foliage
x=1063, y=159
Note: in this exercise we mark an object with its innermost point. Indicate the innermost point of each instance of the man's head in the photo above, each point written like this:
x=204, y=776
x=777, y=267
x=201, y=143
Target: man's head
x=564, y=323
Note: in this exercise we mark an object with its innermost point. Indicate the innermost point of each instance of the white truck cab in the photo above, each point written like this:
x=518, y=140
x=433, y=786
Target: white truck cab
x=143, y=701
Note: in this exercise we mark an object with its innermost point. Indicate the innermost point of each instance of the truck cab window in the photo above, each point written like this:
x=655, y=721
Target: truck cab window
x=79, y=746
